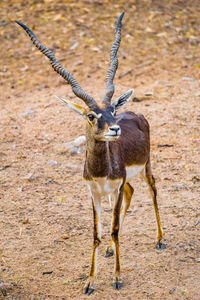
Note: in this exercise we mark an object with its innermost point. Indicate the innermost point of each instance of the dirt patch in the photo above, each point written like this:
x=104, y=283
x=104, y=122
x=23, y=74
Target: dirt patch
x=45, y=208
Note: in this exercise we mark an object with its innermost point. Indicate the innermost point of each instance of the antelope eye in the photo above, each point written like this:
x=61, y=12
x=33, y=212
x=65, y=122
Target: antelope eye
x=91, y=117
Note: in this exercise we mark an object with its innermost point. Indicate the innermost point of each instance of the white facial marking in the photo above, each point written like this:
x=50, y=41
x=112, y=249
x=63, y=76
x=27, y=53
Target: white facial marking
x=99, y=116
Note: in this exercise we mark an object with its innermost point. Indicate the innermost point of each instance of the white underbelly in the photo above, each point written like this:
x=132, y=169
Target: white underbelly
x=104, y=186
x=133, y=171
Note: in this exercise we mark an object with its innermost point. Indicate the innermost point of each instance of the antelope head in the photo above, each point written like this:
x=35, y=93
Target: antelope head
x=100, y=119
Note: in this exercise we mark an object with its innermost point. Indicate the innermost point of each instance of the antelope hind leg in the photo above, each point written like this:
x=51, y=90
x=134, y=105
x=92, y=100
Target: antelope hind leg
x=152, y=188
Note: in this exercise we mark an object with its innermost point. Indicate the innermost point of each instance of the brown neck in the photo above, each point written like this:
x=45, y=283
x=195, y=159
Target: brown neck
x=102, y=159
x=97, y=163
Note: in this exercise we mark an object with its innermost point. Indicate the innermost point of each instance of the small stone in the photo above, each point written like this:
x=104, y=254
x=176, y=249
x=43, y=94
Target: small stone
x=72, y=147
x=82, y=277
x=135, y=99
x=52, y=163
x=65, y=237
x=74, y=45
x=172, y=290
x=188, y=79
x=30, y=177
x=75, y=150
x=178, y=187
x=25, y=221
x=96, y=49
x=79, y=141
x=4, y=167
x=167, y=25
x=24, y=68
x=162, y=34
x=188, y=57
x=47, y=272
x=149, y=94
x=50, y=181
x=7, y=184
x=197, y=222
x=3, y=23
x=28, y=113
x=198, y=260
x=4, y=292
x=195, y=179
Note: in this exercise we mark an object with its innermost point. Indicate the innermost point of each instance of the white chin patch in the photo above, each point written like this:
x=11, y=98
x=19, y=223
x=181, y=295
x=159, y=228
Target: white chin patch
x=111, y=137
x=107, y=138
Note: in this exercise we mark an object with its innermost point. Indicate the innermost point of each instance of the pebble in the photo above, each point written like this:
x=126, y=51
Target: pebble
x=178, y=187
x=74, y=45
x=30, y=177
x=24, y=68
x=50, y=181
x=52, y=163
x=47, y=272
x=72, y=147
x=172, y=290
x=76, y=150
x=82, y=277
x=79, y=141
x=168, y=25
x=149, y=94
x=29, y=113
x=188, y=79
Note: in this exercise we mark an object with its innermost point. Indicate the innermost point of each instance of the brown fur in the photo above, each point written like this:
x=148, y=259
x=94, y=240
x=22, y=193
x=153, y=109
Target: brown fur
x=110, y=158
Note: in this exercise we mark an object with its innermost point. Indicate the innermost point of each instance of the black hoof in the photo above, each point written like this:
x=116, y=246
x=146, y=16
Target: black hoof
x=117, y=285
x=88, y=290
x=109, y=252
x=161, y=246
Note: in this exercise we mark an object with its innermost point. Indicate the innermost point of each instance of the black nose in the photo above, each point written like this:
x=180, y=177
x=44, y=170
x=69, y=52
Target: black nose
x=116, y=129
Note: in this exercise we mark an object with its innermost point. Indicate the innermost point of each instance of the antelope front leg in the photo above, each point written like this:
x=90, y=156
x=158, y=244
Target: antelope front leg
x=117, y=282
x=127, y=195
x=96, y=204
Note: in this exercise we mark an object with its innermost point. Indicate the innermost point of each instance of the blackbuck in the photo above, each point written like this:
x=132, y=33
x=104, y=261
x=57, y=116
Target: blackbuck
x=118, y=148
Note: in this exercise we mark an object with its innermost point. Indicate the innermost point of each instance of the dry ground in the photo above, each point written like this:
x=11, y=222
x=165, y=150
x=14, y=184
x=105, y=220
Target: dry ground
x=45, y=208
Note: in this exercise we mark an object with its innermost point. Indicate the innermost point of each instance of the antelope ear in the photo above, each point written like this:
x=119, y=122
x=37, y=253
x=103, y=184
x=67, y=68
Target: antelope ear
x=119, y=102
x=73, y=106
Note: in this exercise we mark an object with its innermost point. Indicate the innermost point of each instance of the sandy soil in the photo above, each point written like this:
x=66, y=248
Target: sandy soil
x=45, y=208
